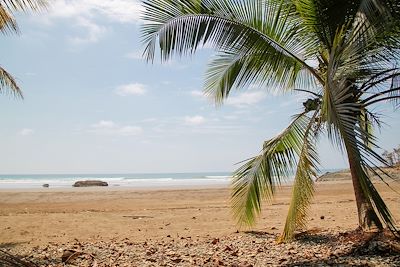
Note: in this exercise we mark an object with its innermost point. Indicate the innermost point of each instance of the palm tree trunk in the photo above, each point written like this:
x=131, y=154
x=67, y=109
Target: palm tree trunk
x=367, y=218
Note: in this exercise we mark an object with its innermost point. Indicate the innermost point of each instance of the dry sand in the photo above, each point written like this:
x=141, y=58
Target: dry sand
x=37, y=217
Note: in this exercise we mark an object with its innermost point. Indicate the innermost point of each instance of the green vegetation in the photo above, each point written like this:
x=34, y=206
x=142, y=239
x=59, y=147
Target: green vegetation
x=8, y=24
x=392, y=157
x=343, y=53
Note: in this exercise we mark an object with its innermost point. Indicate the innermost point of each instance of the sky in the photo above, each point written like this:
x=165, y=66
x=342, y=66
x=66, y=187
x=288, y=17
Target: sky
x=93, y=105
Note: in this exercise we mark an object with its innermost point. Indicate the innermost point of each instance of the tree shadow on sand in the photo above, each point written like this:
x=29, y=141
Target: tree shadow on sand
x=9, y=245
x=10, y=260
x=369, y=249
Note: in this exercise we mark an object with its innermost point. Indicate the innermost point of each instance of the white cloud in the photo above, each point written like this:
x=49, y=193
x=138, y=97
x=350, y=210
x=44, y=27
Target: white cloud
x=26, y=132
x=104, y=124
x=137, y=55
x=131, y=89
x=246, y=99
x=94, y=32
x=130, y=130
x=104, y=127
x=195, y=120
x=123, y=11
x=87, y=14
x=197, y=93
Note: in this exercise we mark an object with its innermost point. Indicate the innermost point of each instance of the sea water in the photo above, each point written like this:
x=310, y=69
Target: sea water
x=136, y=180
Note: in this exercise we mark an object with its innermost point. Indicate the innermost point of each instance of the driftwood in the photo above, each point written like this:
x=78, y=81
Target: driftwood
x=70, y=254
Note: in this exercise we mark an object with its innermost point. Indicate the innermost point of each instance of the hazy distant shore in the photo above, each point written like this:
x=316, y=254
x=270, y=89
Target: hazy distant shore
x=344, y=175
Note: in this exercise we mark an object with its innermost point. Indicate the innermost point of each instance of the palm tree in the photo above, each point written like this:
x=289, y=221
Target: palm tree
x=343, y=53
x=8, y=24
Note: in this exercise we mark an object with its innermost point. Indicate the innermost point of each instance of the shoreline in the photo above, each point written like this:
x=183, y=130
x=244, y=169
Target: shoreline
x=114, y=188
x=53, y=215
x=134, y=180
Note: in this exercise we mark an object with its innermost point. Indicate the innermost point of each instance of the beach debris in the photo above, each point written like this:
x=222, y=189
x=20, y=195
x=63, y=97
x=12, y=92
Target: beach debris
x=136, y=217
x=176, y=260
x=215, y=241
x=88, y=183
x=312, y=248
x=322, y=217
x=69, y=254
x=46, y=185
x=228, y=248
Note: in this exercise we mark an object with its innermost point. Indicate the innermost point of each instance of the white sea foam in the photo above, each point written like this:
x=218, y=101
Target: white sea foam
x=218, y=177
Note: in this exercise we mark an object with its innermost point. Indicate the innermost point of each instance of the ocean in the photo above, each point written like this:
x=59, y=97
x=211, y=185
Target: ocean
x=133, y=180
x=136, y=180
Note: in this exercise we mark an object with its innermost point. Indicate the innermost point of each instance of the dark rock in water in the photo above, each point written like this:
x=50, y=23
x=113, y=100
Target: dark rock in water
x=89, y=183
x=46, y=185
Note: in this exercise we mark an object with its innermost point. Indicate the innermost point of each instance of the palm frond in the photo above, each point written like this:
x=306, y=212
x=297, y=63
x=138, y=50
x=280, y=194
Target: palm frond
x=8, y=23
x=325, y=17
x=8, y=83
x=257, y=179
x=303, y=187
x=24, y=5
x=237, y=27
x=385, y=86
x=263, y=69
x=341, y=111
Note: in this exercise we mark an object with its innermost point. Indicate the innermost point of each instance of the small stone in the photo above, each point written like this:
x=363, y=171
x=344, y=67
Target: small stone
x=322, y=217
x=228, y=248
x=176, y=260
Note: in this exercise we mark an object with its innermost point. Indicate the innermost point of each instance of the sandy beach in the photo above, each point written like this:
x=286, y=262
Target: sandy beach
x=37, y=218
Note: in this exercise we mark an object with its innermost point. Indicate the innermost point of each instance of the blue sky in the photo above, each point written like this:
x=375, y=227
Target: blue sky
x=92, y=105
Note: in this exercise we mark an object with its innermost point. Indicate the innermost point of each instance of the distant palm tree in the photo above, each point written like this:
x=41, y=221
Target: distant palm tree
x=8, y=24
x=342, y=52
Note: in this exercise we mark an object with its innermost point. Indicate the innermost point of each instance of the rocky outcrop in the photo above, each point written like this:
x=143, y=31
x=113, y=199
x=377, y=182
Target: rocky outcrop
x=88, y=183
x=335, y=176
x=343, y=175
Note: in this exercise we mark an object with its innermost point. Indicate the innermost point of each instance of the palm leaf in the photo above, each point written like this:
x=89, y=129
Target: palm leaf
x=303, y=187
x=238, y=27
x=257, y=179
x=340, y=111
x=263, y=70
x=7, y=21
x=8, y=7
x=7, y=82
